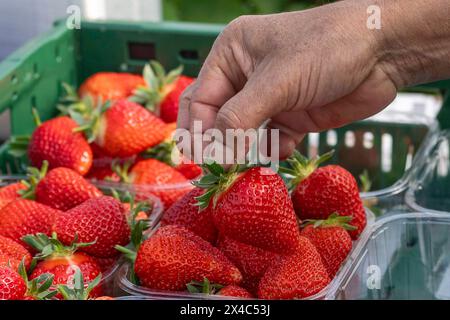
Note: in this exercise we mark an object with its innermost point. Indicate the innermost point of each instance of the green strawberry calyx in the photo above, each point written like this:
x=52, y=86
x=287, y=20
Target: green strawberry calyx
x=301, y=167
x=37, y=288
x=84, y=111
x=366, y=183
x=34, y=176
x=138, y=228
x=158, y=84
x=216, y=181
x=78, y=290
x=205, y=287
x=334, y=220
x=122, y=169
x=162, y=152
x=48, y=247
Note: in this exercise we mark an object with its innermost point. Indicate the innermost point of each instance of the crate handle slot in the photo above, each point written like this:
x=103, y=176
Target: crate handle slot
x=189, y=55
x=141, y=51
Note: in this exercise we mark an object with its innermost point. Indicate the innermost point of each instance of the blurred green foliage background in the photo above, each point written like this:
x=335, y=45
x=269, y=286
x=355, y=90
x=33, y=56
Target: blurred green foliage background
x=223, y=11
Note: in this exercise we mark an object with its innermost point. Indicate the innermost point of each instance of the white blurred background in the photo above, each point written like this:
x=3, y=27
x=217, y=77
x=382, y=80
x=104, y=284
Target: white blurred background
x=21, y=20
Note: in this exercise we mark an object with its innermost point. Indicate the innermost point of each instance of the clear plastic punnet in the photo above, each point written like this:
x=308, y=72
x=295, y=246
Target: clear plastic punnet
x=108, y=278
x=406, y=256
x=124, y=286
x=429, y=190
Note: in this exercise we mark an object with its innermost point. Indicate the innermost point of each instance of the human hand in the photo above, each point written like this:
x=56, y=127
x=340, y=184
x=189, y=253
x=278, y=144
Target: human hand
x=307, y=71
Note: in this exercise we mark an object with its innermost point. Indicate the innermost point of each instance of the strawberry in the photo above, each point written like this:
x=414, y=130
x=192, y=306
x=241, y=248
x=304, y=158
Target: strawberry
x=102, y=173
x=10, y=193
x=158, y=179
x=251, y=206
x=295, y=276
x=168, y=109
x=318, y=192
x=77, y=289
x=187, y=214
x=168, y=153
x=174, y=256
x=62, y=261
x=57, y=142
x=61, y=188
x=162, y=91
x=14, y=251
x=101, y=220
x=170, y=131
x=106, y=264
x=189, y=169
x=110, y=85
x=251, y=261
x=331, y=239
x=14, y=285
x=234, y=291
x=22, y=217
x=121, y=129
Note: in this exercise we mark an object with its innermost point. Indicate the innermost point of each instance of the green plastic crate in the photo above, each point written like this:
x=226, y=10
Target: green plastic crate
x=32, y=77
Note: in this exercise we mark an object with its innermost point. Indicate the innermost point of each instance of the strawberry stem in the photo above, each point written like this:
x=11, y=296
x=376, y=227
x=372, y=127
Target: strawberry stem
x=205, y=287
x=301, y=167
x=158, y=85
x=216, y=181
x=34, y=176
x=36, y=117
x=78, y=290
x=52, y=247
x=334, y=220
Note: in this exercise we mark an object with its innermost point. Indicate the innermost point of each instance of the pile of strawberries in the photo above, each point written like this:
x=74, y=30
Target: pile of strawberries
x=117, y=127
x=241, y=233
x=56, y=223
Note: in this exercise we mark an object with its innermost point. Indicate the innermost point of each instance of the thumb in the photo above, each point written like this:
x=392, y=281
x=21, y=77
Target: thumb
x=250, y=107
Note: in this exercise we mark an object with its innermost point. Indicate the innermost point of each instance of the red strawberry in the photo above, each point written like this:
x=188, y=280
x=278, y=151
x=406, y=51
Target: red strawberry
x=106, y=264
x=77, y=289
x=174, y=256
x=186, y=213
x=168, y=109
x=299, y=275
x=55, y=141
x=158, y=179
x=252, y=207
x=251, y=261
x=61, y=188
x=10, y=193
x=170, y=131
x=101, y=173
x=12, y=286
x=62, y=261
x=99, y=219
x=14, y=251
x=168, y=153
x=331, y=239
x=234, y=291
x=110, y=85
x=321, y=191
x=126, y=129
x=162, y=91
x=189, y=169
x=22, y=217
